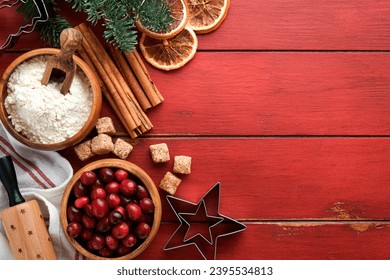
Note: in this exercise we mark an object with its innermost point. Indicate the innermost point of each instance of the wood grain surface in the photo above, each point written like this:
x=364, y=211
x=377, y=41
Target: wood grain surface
x=287, y=106
x=275, y=25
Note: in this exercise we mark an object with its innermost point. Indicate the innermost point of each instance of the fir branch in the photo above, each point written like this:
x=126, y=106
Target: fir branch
x=119, y=26
x=77, y=5
x=117, y=16
x=50, y=31
x=154, y=14
x=121, y=34
x=95, y=10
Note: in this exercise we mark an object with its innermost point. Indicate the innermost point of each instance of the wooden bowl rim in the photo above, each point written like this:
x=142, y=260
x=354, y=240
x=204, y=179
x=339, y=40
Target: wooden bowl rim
x=86, y=128
x=137, y=172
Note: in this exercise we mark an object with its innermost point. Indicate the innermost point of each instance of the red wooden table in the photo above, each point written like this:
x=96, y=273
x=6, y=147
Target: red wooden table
x=287, y=105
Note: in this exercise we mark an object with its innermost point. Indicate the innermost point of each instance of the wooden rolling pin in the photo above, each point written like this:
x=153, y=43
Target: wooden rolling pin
x=23, y=222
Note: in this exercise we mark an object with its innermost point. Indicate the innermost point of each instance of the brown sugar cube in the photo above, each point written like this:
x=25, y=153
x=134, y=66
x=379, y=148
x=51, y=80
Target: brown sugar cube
x=170, y=183
x=182, y=164
x=84, y=151
x=160, y=152
x=105, y=125
x=122, y=149
x=102, y=144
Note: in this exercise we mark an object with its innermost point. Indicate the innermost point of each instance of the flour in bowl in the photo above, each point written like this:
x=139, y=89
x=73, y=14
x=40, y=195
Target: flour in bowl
x=41, y=113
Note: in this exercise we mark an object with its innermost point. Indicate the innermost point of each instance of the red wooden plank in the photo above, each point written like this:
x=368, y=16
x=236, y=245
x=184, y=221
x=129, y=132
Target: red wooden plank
x=279, y=178
x=279, y=24
x=272, y=94
x=275, y=94
x=303, y=25
x=287, y=241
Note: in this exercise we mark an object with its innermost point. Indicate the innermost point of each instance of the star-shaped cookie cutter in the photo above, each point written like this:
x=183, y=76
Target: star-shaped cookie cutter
x=190, y=218
x=219, y=225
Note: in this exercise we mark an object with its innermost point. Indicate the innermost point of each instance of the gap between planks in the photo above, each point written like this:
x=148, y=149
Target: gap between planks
x=324, y=221
x=20, y=51
x=204, y=136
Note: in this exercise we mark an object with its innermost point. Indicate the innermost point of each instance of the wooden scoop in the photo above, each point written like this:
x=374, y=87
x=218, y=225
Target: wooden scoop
x=23, y=221
x=70, y=40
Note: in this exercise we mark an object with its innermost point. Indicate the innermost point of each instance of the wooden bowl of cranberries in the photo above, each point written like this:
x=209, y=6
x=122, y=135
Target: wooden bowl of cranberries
x=111, y=209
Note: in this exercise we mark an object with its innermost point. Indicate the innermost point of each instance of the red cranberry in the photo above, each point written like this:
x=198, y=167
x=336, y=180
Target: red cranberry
x=146, y=218
x=142, y=230
x=112, y=187
x=80, y=190
x=115, y=217
x=89, y=246
x=81, y=202
x=103, y=225
x=97, y=241
x=120, y=230
x=111, y=242
x=106, y=174
x=88, y=210
x=134, y=212
x=73, y=214
x=88, y=178
x=99, y=208
x=86, y=234
x=98, y=193
x=126, y=200
x=142, y=192
x=121, y=210
x=88, y=222
x=123, y=250
x=147, y=205
x=121, y=175
x=106, y=252
x=130, y=240
x=113, y=200
x=98, y=184
x=128, y=187
x=74, y=229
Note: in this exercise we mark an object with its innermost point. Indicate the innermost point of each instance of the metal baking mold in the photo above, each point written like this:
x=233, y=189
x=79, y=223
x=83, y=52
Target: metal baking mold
x=190, y=218
x=28, y=28
x=219, y=225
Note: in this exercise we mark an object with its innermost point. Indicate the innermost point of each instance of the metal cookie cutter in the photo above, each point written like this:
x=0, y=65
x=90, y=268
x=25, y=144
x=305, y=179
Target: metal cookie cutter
x=204, y=213
x=43, y=16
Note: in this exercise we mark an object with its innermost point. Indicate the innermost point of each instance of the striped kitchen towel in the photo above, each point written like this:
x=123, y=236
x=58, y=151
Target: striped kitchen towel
x=41, y=175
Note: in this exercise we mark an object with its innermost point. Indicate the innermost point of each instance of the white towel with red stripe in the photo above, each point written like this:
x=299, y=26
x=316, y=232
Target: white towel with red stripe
x=43, y=176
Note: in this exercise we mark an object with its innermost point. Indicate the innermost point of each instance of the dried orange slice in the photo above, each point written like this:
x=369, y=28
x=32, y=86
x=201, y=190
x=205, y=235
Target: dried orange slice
x=206, y=15
x=179, y=15
x=169, y=54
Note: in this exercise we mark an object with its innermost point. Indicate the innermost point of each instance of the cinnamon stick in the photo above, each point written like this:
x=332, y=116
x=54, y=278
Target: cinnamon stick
x=131, y=79
x=118, y=81
x=106, y=76
x=142, y=73
x=83, y=54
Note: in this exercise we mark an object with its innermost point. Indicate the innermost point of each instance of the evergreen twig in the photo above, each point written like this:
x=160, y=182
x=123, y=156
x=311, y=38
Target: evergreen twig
x=117, y=16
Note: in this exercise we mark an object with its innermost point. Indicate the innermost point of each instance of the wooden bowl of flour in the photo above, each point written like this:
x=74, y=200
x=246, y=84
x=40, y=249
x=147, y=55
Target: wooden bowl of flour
x=83, y=128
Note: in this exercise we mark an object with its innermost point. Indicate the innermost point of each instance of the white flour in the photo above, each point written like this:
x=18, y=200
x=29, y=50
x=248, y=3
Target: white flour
x=42, y=113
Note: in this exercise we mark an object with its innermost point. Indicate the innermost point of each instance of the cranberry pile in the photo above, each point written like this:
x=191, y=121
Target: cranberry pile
x=109, y=212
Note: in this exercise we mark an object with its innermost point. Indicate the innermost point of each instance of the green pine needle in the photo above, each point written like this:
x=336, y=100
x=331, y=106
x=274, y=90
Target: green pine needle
x=50, y=31
x=154, y=15
x=117, y=16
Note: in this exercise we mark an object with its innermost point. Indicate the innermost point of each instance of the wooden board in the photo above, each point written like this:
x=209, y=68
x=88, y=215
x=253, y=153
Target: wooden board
x=285, y=240
x=276, y=94
x=277, y=25
x=286, y=105
x=279, y=178
x=262, y=94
